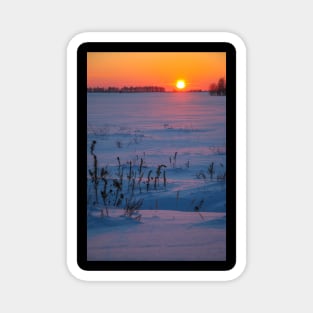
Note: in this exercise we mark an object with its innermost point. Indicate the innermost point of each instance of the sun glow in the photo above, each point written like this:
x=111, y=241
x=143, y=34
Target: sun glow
x=180, y=84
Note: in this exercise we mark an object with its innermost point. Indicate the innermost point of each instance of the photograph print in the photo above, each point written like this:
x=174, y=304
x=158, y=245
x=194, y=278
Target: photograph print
x=156, y=156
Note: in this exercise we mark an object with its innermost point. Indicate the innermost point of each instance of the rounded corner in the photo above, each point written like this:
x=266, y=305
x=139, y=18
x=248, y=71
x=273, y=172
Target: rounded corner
x=76, y=271
x=235, y=41
x=77, y=41
x=236, y=271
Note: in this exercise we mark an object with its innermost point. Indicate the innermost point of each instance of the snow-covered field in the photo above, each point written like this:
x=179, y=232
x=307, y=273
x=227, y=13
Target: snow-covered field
x=156, y=176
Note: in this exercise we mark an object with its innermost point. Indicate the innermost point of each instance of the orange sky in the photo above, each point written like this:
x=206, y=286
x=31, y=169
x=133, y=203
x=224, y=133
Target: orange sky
x=118, y=69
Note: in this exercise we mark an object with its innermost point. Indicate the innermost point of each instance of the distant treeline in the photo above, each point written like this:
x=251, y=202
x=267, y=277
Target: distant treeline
x=127, y=89
x=218, y=89
x=195, y=90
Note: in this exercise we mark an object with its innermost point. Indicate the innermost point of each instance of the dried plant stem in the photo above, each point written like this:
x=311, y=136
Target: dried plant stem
x=148, y=180
x=164, y=179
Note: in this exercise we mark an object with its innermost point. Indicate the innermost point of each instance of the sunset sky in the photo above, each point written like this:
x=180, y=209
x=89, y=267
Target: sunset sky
x=164, y=69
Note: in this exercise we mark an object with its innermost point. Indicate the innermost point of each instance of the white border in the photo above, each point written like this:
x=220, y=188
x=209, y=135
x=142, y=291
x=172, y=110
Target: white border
x=75, y=270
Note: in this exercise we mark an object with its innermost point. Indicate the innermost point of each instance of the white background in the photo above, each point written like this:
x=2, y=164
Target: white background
x=33, y=273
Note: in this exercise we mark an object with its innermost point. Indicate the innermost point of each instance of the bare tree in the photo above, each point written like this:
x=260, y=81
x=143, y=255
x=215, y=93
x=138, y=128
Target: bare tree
x=221, y=87
x=218, y=89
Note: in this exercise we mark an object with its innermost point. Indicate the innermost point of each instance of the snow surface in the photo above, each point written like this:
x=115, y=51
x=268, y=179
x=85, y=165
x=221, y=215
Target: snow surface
x=159, y=235
x=182, y=217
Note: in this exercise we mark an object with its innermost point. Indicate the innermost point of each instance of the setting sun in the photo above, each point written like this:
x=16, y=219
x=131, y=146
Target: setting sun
x=180, y=84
